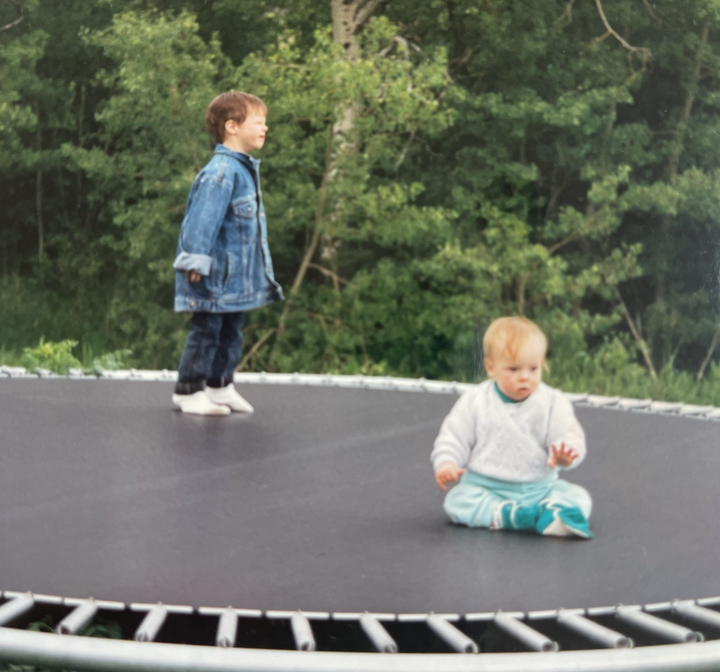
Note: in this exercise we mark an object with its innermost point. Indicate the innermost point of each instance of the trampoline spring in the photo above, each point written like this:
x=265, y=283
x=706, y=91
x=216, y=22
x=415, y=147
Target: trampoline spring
x=594, y=631
x=454, y=638
x=696, y=613
x=302, y=632
x=16, y=607
x=377, y=634
x=227, y=629
x=77, y=618
x=657, y=626
x=151, y=624
x=524, y=633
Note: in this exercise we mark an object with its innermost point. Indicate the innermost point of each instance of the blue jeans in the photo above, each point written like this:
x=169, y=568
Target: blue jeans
x=212, y=351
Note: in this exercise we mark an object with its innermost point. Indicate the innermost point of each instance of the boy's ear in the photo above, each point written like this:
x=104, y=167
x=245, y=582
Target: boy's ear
x=231, y=127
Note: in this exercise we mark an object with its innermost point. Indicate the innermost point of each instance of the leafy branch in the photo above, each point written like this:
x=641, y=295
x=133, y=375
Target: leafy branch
x=566, y=15
x=710, y=352
x=18, y=20
x=255, y=348
x=635, y=329
x=365, y=10
x=337, y=280
x=644, y=53
x=652, y=12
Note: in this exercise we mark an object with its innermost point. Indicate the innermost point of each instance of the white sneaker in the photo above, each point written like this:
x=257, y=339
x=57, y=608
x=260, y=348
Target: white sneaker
x=557, y=529
x=199, y=404
x=228, y=396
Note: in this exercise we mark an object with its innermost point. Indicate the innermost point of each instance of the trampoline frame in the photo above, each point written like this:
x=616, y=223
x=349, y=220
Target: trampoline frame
x=686, y=649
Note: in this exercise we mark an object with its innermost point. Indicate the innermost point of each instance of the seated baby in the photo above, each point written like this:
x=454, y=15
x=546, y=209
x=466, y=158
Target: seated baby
x=506, y=439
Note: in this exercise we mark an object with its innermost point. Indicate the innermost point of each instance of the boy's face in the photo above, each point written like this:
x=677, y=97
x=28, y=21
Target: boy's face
x=518, y=378
x=248, y=136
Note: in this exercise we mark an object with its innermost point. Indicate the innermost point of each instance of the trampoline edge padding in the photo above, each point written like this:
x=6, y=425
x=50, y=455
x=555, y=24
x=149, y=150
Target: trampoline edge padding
x=86, y=653
x=375, y=383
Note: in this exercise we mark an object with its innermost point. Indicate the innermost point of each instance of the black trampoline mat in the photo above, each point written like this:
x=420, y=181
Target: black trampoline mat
x=324, y=499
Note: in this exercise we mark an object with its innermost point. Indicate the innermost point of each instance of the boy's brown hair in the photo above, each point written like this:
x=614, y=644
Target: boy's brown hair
x=507, y=335
x=234, y=105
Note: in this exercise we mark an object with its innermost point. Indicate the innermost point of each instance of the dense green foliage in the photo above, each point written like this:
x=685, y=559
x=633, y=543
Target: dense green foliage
x=504, y=157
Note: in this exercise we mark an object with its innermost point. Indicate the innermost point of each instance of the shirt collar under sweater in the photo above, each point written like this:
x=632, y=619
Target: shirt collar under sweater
x=504, y=396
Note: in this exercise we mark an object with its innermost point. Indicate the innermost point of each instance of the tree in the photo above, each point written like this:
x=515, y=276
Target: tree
x=428, y=167
x=349, y=17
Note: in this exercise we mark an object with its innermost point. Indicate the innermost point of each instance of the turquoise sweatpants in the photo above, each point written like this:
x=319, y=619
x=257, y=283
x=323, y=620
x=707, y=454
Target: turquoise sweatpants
x=472, y=501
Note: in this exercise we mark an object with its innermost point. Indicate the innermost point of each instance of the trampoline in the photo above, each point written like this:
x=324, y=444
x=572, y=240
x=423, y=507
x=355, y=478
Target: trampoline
x=318, y=520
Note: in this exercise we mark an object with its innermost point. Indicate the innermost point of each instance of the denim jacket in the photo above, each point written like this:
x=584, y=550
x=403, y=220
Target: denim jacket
x=224, y=238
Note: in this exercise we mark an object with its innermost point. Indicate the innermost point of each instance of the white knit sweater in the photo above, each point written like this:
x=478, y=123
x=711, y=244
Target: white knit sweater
x=508, y=441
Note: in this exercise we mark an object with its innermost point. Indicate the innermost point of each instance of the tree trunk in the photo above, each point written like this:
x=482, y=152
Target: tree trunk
x=312, y=243
x=708, y=357
x=348, y=19
x=637, y=335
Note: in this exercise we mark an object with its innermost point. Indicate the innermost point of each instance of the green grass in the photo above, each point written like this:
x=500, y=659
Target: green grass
x=61, y=356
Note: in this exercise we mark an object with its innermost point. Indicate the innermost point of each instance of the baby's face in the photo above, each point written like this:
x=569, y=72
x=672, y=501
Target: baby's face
x=518, y=378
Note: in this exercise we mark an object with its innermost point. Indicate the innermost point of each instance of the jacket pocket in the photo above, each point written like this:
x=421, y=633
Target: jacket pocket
x=245, y=206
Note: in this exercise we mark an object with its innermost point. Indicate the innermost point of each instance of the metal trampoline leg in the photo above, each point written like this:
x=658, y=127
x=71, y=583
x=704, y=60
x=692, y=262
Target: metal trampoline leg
x=227, y=629
x=16, y=607
x=151, y=624
x=696, y=613
x=455, y=638
x=377, y=634
x=302, y=632
x=77, y=618
x=524, y=633
x=594, y=631
x=657, y=626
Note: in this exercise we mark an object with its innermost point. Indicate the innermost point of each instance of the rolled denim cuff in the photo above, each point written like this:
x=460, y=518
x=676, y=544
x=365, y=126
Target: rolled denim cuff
x=222, y=381
x=189, y=388
x=200, y=263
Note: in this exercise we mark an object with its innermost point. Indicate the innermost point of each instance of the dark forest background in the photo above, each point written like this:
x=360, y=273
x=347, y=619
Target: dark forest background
x=429, y=166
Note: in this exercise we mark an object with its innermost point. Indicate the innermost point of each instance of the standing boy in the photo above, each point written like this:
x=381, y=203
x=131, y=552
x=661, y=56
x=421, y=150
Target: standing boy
x=506, y=439
x=223, y=260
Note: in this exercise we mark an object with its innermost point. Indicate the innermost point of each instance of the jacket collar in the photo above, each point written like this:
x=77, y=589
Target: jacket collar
x=249, y=161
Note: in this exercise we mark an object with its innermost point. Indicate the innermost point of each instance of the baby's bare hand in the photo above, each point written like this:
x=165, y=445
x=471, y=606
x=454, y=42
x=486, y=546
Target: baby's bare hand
x=193, y=276
x=561, y=457
x=447, y=473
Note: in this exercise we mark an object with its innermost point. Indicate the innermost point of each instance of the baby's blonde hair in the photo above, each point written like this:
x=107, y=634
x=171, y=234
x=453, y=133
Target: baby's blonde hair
x=507, y=335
